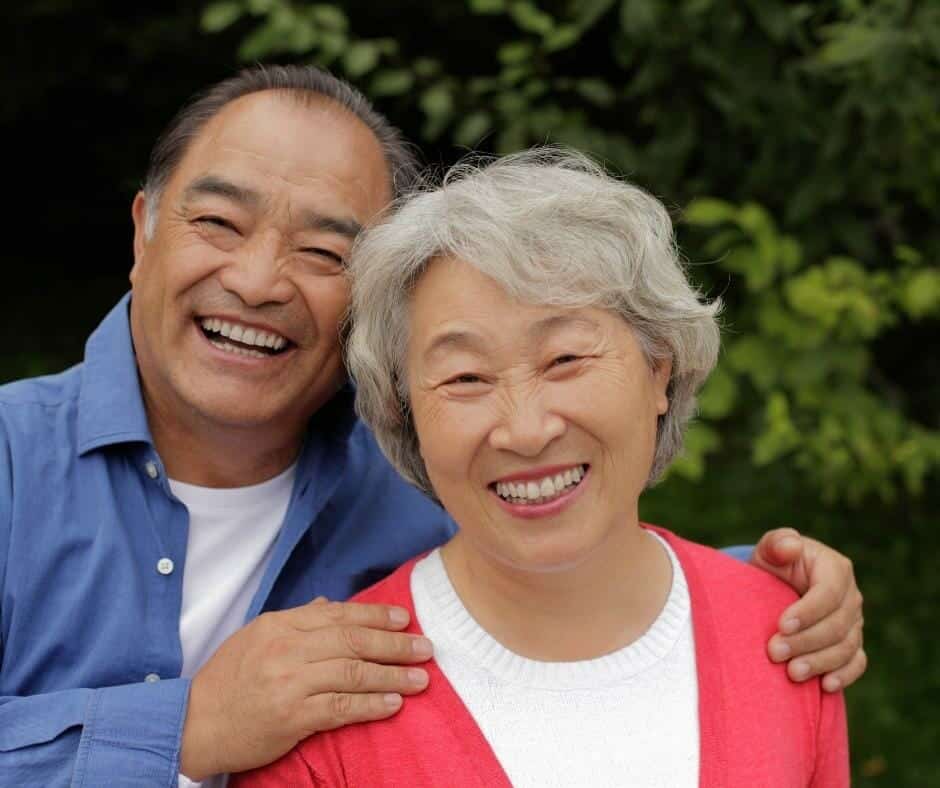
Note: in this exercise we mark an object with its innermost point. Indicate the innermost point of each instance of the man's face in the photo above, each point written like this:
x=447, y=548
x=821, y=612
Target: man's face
x=238, y=292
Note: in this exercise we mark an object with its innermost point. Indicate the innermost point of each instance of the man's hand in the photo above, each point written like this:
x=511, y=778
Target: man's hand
x=821, y=634
x=292, y=673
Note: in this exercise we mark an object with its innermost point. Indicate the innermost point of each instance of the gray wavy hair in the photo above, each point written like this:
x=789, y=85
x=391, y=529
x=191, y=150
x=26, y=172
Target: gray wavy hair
x=551, y=227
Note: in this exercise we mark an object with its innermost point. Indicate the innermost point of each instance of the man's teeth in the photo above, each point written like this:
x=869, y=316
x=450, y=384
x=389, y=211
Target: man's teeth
x=244, y=334
x=541, y=490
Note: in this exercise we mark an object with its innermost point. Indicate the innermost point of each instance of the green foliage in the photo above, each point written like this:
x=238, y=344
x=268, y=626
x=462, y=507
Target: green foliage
x=804, y=141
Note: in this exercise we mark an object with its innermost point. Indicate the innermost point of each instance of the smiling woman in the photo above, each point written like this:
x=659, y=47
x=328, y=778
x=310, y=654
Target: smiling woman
x=527, y=349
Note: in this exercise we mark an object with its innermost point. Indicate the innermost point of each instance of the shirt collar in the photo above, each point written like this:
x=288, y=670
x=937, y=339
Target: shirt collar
x=111, y=405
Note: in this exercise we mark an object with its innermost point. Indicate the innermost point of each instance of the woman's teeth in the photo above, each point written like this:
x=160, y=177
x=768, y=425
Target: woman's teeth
x=541, y=490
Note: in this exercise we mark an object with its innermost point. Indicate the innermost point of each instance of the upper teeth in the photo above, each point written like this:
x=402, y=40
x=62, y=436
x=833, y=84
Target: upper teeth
x=244, y=334
x=539, y=489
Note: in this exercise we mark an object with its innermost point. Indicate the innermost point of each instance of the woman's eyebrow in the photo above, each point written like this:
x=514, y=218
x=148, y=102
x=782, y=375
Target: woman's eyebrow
x=548, y=325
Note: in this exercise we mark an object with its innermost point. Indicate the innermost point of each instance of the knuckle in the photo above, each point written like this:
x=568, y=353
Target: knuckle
x=354, y=674
x=355, y=639
x=332, y=610
x=340, y=705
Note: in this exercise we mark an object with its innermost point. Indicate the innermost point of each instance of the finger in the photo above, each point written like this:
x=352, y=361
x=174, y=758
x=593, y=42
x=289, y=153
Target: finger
x=818, y=603
x=331, y=710
x=358, y=676
x=829, y=632
x=364, y=643
x=322, y=613
x=827, y=660
x=845, y=677
x=780, y=546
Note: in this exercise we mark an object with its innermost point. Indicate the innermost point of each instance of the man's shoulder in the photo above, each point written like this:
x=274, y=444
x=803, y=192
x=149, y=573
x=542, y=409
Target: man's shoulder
x=33, y=407
x=47, y=391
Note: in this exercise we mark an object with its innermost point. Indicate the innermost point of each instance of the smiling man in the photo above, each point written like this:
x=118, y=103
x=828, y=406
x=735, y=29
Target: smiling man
x=204, y=465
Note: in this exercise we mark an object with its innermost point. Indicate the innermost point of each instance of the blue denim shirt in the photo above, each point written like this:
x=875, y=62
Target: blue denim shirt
x=90, y=653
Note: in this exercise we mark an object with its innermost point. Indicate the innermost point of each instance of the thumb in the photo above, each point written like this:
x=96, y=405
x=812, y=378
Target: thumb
x=779, y=547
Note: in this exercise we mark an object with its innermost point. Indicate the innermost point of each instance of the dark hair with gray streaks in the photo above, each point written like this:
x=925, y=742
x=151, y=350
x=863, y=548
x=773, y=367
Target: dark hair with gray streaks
x=299, y=82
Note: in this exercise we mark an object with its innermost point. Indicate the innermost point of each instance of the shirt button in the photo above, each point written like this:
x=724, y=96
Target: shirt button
x=151, y=678
x=152, y=471
x=165, y=566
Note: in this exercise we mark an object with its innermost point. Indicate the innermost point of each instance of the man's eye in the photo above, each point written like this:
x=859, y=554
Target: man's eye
x=565, y=359
x=217, y=221
x=319, y=251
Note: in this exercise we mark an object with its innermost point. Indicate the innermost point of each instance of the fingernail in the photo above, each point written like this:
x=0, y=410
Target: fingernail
x=799, y=670
x=392, y=700
x=832, y=684
x=789, y=543
x=779, y=650
x=790, y=626
x=422, y=647
x=398, y=616
x=417, y=677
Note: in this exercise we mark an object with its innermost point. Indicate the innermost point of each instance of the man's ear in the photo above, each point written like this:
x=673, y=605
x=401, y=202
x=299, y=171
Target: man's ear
x=139, y=217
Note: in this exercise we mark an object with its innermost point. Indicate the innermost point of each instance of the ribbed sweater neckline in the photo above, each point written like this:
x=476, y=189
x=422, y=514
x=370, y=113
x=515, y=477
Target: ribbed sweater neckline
x=444, y=617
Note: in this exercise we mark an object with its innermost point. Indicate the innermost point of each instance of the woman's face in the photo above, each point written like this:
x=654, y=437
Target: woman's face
x=537, y=424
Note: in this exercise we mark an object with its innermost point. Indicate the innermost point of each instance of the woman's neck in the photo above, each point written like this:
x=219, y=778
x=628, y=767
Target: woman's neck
x=601, y=604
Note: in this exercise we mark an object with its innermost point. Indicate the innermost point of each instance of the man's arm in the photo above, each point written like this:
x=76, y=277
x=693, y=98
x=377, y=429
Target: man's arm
x=820, y=634
x=130, y=734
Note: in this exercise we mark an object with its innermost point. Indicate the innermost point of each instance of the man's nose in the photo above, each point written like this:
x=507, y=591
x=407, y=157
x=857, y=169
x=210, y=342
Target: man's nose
x=255, y=273
x=527, y=426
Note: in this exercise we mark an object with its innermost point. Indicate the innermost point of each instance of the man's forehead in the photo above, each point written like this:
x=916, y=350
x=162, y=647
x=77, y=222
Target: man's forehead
x=305, y=144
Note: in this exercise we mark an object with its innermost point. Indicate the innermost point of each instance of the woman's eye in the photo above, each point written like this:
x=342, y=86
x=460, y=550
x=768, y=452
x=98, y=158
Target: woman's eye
x=466, y=378
x=565, y=359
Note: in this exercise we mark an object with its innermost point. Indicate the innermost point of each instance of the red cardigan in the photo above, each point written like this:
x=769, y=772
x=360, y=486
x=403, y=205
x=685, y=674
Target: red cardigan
x=757, y=729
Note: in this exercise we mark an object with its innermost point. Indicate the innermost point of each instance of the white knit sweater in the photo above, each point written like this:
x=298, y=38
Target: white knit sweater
x=628, y=718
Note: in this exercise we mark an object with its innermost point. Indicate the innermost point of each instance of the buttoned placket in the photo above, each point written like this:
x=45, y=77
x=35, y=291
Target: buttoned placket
x=168, y=587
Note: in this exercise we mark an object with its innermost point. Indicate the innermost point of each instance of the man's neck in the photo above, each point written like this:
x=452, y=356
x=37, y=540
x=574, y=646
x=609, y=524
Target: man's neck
x=603, y=604
x=212, y=455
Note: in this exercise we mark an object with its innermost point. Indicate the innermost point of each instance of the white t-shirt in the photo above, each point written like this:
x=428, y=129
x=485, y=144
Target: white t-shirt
x=231, y=537
x=629, y=718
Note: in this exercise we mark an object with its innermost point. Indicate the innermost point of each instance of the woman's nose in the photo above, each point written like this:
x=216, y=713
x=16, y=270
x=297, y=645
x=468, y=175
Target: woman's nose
x=527, y=428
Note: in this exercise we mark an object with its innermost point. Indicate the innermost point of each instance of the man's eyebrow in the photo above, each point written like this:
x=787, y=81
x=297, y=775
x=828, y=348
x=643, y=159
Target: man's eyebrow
x=221, y=187
x=311, y=220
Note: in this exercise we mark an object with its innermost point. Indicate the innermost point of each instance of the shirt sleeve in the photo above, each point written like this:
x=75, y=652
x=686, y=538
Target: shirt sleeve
x=742, y=552
x=127, y=735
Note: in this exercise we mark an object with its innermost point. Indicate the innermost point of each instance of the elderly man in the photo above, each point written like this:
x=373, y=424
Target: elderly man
x=204, y=465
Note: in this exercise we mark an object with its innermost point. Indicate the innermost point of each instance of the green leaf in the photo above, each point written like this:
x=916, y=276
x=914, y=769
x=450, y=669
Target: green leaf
x=329, y=16
x=719, y=395
x=530, y=18
x=597, y=91
x=920, y=295
x=360, y=58
x=219, y=16
x=438, y=102
x=487, y=6
x=473, y=128
x=393, y=82
x=260, y=7
x=639, y=17
x=562, y=37
x=516, y=52
x=588, y=12
x=708, y=212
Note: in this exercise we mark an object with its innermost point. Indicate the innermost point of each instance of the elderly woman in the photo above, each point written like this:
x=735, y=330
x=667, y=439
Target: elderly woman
x=528, y=349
